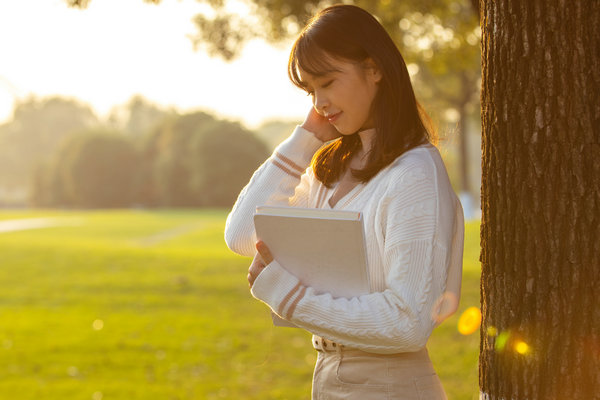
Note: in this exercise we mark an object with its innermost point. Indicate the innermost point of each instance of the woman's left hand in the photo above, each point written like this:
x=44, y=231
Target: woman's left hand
x=261, y=260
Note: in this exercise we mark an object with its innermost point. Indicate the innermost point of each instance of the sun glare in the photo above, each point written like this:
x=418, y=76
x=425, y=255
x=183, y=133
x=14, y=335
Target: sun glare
x=95, y=56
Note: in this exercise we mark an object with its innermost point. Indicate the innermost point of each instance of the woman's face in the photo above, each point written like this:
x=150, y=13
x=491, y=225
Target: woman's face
x=344, y=94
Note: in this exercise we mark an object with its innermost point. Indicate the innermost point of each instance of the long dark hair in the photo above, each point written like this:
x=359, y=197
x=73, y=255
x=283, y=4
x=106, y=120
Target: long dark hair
x=350, y=33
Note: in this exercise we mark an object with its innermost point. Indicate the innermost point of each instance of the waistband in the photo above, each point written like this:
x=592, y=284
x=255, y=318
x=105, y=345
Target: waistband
x=325, y=345
x=328, y=346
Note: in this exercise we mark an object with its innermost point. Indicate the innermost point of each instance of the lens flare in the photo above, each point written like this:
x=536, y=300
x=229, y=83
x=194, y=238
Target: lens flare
x=469, y=321
x=501, y=340
x=521, y=347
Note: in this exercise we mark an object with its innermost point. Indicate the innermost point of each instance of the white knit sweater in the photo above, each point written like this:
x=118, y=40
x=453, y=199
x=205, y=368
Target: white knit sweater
x=414, y=228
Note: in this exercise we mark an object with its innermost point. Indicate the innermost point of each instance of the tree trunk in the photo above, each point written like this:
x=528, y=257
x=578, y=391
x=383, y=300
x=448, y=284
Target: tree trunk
x=540, y=336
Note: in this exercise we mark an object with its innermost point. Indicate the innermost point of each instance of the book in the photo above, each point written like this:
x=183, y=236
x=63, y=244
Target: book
x=325, y=249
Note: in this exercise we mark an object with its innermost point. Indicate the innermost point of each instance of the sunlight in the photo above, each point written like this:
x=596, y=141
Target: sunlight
x=104, y=67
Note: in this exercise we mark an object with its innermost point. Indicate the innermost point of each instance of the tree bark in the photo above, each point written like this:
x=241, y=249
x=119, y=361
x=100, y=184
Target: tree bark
x=540, y=335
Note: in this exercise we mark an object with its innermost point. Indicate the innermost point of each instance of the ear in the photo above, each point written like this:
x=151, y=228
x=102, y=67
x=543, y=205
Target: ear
x=372, y=70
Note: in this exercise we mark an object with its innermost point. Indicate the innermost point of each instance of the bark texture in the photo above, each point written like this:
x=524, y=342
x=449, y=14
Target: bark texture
x=540, y=285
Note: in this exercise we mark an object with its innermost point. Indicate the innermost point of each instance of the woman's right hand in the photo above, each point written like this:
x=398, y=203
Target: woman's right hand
x=320, y=126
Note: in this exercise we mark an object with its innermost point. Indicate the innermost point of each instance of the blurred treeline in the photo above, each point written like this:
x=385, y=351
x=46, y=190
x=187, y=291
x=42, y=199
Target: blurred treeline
x=56, y=152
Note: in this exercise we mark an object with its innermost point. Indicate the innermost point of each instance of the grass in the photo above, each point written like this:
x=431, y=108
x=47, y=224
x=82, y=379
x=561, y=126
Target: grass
x=152, y=305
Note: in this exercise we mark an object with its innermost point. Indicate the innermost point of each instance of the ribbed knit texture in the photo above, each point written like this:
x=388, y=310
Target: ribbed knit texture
x=411, y=216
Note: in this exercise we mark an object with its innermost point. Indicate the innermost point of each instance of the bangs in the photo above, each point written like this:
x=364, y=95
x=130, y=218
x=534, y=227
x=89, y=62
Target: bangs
x=309, y=57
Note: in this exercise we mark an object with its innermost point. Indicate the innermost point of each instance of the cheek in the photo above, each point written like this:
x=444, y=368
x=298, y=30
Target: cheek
x=366, y=100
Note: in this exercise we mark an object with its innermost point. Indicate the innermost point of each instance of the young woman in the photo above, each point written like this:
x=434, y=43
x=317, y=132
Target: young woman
x=363, y=146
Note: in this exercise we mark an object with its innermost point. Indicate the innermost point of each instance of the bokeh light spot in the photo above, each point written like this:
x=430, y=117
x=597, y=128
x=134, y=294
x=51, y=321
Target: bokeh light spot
x=98, y=324
x=469, y=321
x=492, y=331
x=97, y=396
x=501, y=340
x=521, y=347
x=73, y=371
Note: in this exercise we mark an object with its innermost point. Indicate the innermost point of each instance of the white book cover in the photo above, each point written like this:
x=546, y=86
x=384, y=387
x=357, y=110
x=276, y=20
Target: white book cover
x=325, y=249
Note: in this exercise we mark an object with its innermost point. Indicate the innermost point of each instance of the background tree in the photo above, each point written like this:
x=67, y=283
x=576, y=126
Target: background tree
x=34, y=134
x=222, y=162
x=171, y=174
x=96, y=169
x=540, y=233
x=197, y=160
x=137, y=117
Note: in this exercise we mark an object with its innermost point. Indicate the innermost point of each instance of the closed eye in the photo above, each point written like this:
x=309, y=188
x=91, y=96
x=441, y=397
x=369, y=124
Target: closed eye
x=310, y=92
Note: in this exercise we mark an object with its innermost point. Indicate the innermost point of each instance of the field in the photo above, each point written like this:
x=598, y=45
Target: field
x=152, y=305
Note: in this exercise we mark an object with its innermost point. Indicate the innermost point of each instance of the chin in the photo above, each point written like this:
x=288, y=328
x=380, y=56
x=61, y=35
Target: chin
x=345, y=131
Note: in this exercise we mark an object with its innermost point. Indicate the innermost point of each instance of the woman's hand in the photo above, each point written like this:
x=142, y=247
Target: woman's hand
x=261, y=260
x=320, y=126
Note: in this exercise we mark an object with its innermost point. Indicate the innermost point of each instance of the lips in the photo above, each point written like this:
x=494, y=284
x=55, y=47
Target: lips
x=333, y=117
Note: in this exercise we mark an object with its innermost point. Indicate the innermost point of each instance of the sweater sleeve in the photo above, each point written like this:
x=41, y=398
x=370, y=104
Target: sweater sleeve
x=397, y=319
x=281, y=180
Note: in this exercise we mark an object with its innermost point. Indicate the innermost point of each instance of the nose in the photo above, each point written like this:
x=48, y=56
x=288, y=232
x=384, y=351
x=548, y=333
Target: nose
x=320, y=102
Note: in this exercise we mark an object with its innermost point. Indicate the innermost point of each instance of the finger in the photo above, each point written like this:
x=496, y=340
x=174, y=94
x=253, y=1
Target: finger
x=252, y=275
x=264, y=252
x=254, y=270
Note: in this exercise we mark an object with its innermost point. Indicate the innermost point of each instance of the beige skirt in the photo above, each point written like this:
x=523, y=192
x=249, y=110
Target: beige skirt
x=349, y=374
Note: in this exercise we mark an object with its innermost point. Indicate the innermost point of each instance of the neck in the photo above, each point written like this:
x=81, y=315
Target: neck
x=367, y=137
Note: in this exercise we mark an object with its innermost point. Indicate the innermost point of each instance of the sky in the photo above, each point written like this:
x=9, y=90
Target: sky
x=115, y=49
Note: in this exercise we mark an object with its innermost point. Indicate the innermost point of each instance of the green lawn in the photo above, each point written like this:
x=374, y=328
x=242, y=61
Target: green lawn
x=152, y=305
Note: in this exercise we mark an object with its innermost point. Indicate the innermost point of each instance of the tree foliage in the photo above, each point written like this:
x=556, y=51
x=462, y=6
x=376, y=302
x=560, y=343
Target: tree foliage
x=56, y=151
x=37, y=128
x=170, y=169
x=223, y=161
x=137, y=117
x=95, y=169
x=197, y=160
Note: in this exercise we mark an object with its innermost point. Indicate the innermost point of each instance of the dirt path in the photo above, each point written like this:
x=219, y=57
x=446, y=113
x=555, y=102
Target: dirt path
x=13, y=225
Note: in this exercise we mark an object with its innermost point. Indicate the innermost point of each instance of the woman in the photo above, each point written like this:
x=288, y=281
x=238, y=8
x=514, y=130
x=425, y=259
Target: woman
x=370, y=152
